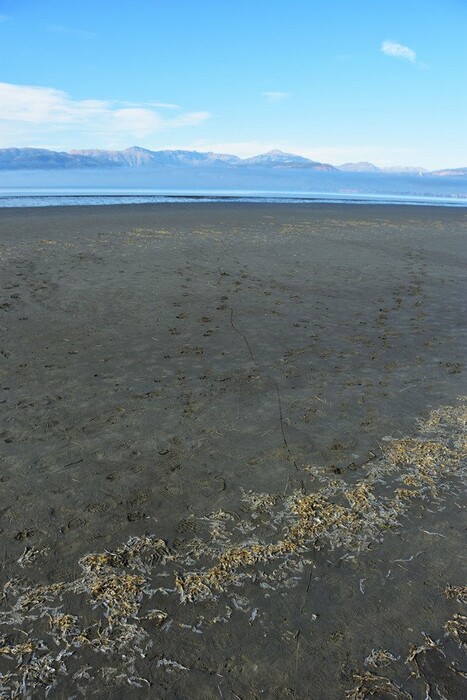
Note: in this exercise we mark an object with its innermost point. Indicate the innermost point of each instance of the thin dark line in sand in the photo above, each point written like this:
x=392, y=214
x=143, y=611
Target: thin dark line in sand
x=70, y=464
x=272, y=380
x=243, y=336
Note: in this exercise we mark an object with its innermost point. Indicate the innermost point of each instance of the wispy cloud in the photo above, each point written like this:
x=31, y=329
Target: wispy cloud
x=164, y=105
x=157, y=105
x=29, y=115
x=277, y=96
x=392, y=48
x=4, y=18
x=188, y=119
x=70, y=31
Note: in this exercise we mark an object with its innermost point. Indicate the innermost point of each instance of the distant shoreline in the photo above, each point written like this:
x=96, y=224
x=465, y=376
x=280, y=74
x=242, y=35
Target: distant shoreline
x=20, y=200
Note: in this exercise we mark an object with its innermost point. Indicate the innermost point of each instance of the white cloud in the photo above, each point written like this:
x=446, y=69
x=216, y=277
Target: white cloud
x=137, y=120
x=163, y=105
x=31, y=115
x=392, y=48
x=190, y=119
x=157, y=105
x=277, y=96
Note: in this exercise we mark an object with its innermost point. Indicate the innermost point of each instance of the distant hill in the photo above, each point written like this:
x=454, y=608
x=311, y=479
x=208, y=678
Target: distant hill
x=42, y=159
x=135, y=157
x=360, y=167
x=175, y=160
x=279, y=159
x=405, y=170
x=364, y=167
x=453, y=172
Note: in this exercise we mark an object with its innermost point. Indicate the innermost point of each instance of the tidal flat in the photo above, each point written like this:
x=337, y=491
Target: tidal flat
x=233, y=445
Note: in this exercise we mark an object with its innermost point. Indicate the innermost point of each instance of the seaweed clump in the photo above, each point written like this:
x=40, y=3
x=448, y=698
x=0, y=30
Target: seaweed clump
x=371, y=685
x=275, y=530
x=434, y=663
x=341, y=515
x=114, y=583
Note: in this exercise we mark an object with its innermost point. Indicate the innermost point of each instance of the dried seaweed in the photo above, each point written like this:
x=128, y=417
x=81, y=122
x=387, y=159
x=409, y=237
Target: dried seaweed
x=274, y=530
x=370, y=685
x=457, y=592
x=457, y=628
x=416, y=649
x=379, y=658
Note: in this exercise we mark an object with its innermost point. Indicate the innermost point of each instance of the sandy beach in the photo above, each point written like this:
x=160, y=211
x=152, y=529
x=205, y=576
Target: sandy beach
x=232, y=448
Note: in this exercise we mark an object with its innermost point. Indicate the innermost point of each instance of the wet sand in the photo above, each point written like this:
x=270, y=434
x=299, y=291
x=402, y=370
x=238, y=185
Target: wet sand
x=219, y=395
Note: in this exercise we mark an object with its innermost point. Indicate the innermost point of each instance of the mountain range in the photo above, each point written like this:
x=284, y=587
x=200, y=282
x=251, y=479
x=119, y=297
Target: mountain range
x=136, y=157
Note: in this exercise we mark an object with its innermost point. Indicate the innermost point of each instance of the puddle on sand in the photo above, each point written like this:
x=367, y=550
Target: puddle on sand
x=171, y=621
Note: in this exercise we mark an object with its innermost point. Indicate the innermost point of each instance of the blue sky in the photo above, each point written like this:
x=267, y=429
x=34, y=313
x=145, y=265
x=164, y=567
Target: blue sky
x=336, y=80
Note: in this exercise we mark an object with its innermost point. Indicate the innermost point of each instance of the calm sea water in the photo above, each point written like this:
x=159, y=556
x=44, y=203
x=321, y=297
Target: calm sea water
x=11, y=198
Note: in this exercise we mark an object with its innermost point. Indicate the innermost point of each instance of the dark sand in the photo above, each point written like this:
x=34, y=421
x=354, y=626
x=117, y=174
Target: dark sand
x=158, y=363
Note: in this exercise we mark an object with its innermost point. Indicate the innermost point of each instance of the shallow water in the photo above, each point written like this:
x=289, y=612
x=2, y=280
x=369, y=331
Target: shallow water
x=77, y=197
